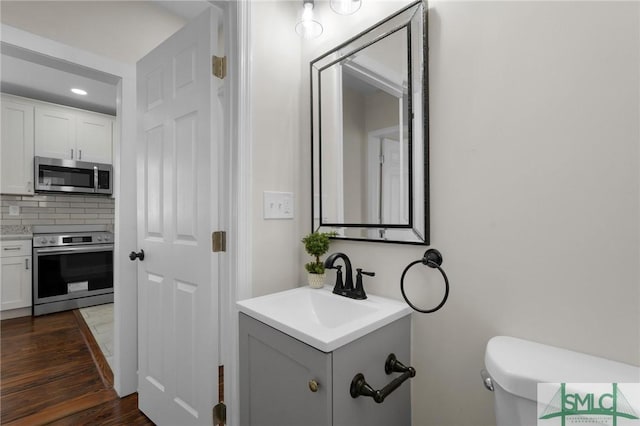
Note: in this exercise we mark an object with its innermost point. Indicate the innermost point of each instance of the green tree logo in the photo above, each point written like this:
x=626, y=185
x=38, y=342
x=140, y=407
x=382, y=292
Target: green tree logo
x=585, y=405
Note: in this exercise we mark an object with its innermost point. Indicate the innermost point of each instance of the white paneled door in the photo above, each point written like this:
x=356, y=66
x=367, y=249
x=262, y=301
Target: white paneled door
x=177, y=211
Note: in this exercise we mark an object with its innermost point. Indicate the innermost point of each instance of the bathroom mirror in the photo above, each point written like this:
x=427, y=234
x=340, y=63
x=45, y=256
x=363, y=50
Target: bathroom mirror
x=370, y=133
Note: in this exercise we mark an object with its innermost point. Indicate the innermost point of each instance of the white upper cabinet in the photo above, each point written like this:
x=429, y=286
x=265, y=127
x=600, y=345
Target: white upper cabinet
x=55, y=133
x=94, y=138
x=16, y=150
x=72, y=134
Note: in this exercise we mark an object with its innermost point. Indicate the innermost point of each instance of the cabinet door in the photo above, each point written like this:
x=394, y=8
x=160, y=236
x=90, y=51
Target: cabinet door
x=17, y=147
x=275, y=371
x=55, y=134
x=94, y=138
x=15, y=290
x=368, y=355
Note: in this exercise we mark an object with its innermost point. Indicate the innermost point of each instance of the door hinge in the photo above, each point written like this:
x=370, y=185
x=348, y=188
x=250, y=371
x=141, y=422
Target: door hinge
x=220, y=409
x=220, y=414
x=219, y=66
x=219, y=241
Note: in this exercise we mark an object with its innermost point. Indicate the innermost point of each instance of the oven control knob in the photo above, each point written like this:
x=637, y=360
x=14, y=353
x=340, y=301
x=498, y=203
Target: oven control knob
x=43, y=240
x=106, y=238
x=99, y=238
x=52, y=241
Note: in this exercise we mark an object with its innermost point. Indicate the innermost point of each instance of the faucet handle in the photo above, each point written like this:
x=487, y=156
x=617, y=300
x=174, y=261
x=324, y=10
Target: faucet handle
x=338, y=288
x=360, y=271
x=358, y=292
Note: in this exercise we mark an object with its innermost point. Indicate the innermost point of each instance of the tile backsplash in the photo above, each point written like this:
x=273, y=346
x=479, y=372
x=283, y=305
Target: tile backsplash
x=56, y=210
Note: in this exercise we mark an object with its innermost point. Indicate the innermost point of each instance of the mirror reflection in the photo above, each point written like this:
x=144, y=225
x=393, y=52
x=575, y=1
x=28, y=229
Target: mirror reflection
x=369, y=133
x=365, y=111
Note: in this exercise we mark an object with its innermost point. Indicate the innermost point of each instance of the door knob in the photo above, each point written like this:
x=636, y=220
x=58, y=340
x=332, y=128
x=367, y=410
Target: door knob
x=133, y=255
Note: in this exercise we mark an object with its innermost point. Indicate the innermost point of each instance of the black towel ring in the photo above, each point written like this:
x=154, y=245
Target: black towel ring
x=433, y=259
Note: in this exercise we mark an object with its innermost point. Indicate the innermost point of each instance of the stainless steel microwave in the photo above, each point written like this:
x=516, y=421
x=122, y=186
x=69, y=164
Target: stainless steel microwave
x=57, y=175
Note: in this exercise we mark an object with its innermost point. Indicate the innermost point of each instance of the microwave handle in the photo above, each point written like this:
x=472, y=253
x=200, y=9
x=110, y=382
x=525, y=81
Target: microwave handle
x=95, y=178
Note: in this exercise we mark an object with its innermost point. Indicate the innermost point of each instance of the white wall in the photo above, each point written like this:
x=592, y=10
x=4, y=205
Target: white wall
x=534, y=152
x=276, y=146
x=534, y=190
x=124, y=31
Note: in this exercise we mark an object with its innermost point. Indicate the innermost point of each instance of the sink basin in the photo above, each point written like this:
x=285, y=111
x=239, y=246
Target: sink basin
x=322, y=319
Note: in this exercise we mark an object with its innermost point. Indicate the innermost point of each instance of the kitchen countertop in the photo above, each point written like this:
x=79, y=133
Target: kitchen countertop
x=15, y=237
x=15, y=232
x=25, y=232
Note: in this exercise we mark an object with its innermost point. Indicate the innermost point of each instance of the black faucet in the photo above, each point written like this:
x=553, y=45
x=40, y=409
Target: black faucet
x=340, y=288
x=346, y=289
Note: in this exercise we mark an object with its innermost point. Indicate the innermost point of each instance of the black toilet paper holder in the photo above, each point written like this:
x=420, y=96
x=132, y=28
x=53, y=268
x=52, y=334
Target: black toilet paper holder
x=360, y=387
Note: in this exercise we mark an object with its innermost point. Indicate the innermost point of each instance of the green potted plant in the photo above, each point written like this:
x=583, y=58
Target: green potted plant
x=316, y=244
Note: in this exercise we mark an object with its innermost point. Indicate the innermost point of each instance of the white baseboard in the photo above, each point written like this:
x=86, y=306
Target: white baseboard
x=15, y=313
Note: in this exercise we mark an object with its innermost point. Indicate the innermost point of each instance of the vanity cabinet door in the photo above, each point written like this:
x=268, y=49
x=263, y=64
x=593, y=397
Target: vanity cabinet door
x=368, y=355
x=276, y=374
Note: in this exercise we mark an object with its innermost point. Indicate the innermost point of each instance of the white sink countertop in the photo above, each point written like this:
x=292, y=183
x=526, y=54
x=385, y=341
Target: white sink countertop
x=322, y=319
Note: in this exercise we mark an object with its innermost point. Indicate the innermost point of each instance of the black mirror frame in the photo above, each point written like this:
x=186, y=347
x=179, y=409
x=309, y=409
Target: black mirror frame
x=393, y=23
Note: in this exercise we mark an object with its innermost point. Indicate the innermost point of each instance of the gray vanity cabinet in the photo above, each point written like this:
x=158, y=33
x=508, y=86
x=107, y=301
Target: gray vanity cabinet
x=275, y=371
x=277, y=375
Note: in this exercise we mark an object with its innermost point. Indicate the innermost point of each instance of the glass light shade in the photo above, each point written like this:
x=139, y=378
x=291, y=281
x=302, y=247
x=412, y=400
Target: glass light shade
x=345, y=7
x=308, y=27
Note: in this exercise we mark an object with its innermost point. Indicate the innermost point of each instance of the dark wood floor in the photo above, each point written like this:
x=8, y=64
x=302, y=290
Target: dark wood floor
x=52, y=372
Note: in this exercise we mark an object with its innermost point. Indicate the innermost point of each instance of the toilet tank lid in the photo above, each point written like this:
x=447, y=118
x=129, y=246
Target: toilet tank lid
x=518, y=365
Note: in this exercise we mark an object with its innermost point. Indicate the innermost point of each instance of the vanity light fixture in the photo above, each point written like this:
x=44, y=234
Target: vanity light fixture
x=345, y=7
x=308, y=27
x=79, y=91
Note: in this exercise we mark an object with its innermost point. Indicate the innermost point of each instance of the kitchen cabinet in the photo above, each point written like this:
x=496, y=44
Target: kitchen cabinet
x=94, y=138
x=15, y=288
x=71, y=134
x=16, y=146
x=54, y=132
x=284, y=381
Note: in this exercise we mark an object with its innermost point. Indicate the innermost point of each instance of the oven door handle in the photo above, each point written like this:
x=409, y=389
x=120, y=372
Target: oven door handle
x=82, y=249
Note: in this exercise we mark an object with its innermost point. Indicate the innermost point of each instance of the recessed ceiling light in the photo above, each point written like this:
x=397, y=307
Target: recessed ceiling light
x=79, y=91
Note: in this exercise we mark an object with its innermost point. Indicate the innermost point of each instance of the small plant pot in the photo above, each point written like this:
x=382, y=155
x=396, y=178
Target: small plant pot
x=316, y=280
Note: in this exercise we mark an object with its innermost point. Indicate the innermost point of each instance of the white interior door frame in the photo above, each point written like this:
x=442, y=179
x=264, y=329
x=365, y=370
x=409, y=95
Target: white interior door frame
x=124, y=155
x=235, y=215
x=374, y=141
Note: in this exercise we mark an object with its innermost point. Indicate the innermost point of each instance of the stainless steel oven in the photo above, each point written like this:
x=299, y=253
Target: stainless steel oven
x=71, y=270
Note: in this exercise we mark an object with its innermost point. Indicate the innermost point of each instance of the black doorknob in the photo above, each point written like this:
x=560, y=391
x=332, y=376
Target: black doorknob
x=133, y=255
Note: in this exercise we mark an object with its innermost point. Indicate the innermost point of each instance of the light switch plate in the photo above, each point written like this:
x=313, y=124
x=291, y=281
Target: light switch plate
x=278, y=205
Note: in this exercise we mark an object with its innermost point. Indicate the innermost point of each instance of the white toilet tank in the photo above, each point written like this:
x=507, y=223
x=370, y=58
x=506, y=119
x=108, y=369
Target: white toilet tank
x=516, y=366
